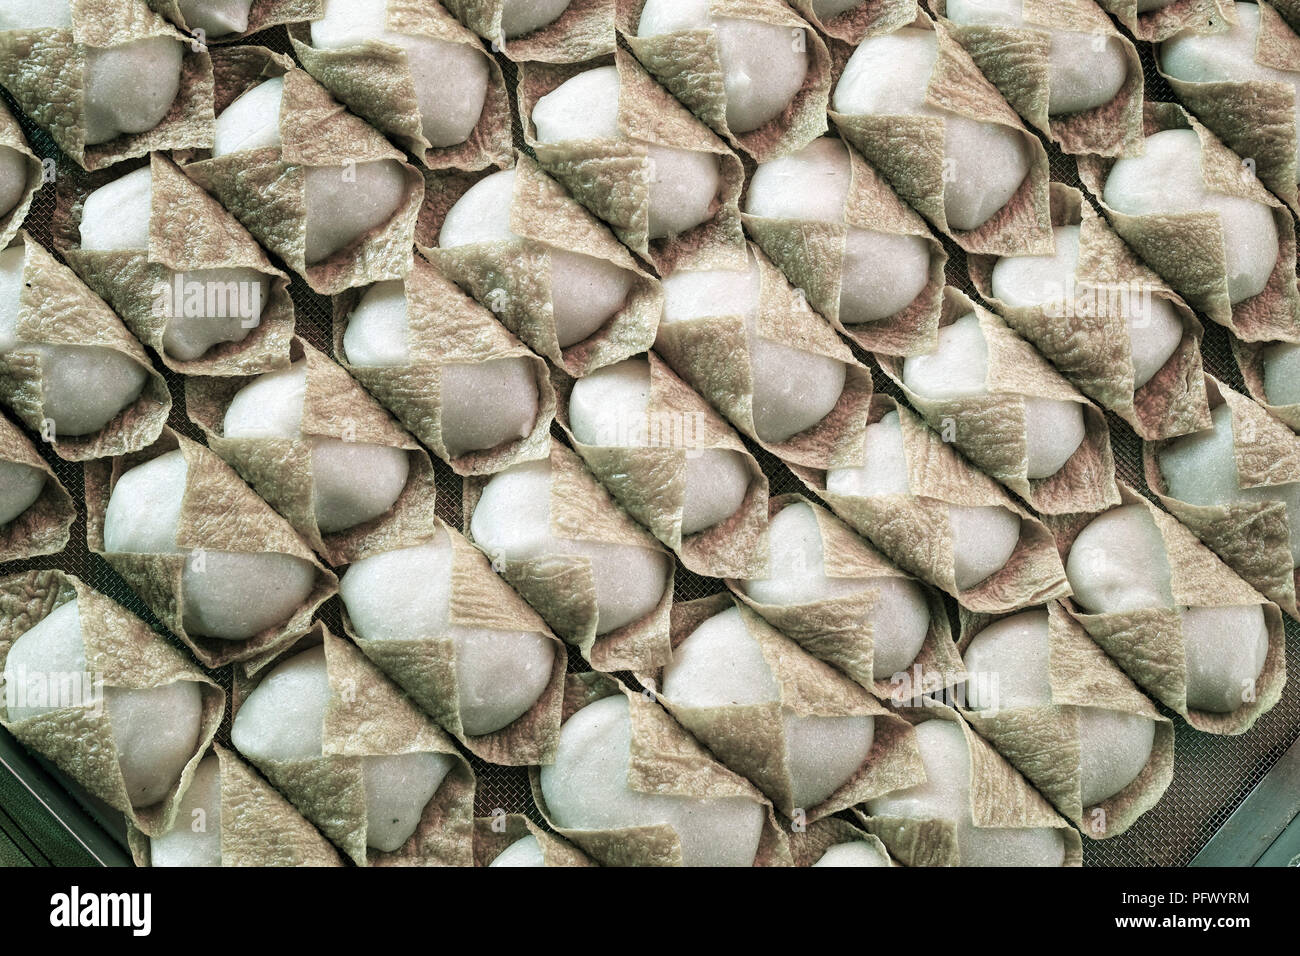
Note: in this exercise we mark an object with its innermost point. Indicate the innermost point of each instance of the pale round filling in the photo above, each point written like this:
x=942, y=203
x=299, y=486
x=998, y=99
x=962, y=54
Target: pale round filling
x=1282, y=373
x=13, y=178
x=217, y=18
x=195, y=840
x=525, y=851
x=130, y=87
x=854, y=853
x=519, y=17
x=20, y=486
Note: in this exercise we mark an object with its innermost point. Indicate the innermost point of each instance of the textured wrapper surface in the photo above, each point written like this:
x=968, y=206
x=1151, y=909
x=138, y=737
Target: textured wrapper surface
x=913, y=529
x=56, y=308
x=1253, y=538
x=188, y=230
x=425, y=667
x=218, y=512
x=1015, y=60
x=494, y=834
x=43, y=527
x=1043, y=742
x=560, y=587
x=44, y=71
x=840, y=630
x=612, y=177
x=584, y=30
x=750, y=739
x=265, y=188
x=446, y=327
x=261, y=15
x=1187, y=249
x=1209, y=16
x=11, y=135
x=664, y=760
x=689, y=65
x=258, y=826
x=512, y=277
x=810, y=844
x=867, y=18
x=369, y=716
x=373, y=79
x=1085, y=335
x=1148, y=643
x=649, y=481
x=811, y=255
x=121, y=651
x=712, y=355
x=1250, y=361
x=990, y=429
x=1000, y=798
x=907, y=149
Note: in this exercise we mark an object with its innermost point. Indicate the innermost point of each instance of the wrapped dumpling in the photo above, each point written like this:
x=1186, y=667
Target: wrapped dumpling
x=851, y=20
x=1105, y=321
x=316, y=185
x=865, y=261
x=842, y=601
x=545, y=31
x=632, y=788
x=466, y=647
x=228, y=20
x=969, y=166
x=671, y=461
x=546, y=267
x=21, y=174
x=1063, y=66
x=220, y=569
x=806, y=735
x=92, y=688
x=68, y=368
x=1009, y=411
x=1156, y=20
x=36, y=511
x=753, y=70
x=356, y=756
x=182, y=273
x=1063, y=713
x=1184, y=192
x=110, y=82
x=836, y=842
x=1188, y=630
x=511, y=839
x=415, y=74
x=320, y=450
x=230, y=816
x=634, y=156
x=1271, y=371
x=599, y=579
x=447, y=369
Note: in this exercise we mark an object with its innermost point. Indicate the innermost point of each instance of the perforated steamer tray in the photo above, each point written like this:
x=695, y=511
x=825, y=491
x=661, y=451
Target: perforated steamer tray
x=1212, y=777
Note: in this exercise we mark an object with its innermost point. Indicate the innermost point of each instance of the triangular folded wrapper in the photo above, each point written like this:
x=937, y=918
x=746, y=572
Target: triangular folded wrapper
x=262, y=15
x=56, y=308
x=512, y=277
x=689, y=66
x=1043, y=742
x=1255, y=118
x=369, y=716
x=1181, y=247
x=121, y=651
x=1016, y=61
x=1085, y=335
x=43, y=527
x=425, y=667
x=492, y=835
x=1210, y=16
x=1250, y=361
x=373, y=80
x=446, y=327
x=258, y=826
x=649, y=481
x=1000, y=798
x=913, y=530
x=1148, y=643
x=810, y=844
x=711, y=354
x=811, y=255
x=864, y=19
x=44, y=70
x=264, y=188
x=750, y=739
x=907, y=150
x=560, y=587
x=336, y=407
x=188, y=230
x=219, y=513
x=839, y=630
x=11, y=135
x=584, y=30
x=665, y=760
x=1253, y=538
x=990, y=429
x=612, y=177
